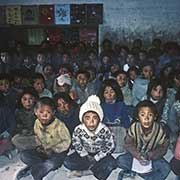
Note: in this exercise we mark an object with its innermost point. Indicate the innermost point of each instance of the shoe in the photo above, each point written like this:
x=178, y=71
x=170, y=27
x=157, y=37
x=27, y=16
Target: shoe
x=23, y=173
x=126, y=174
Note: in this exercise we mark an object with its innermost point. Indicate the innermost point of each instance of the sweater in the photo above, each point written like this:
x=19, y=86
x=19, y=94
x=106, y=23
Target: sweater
x=115, y=114
x=54, y=136
x=100, y=143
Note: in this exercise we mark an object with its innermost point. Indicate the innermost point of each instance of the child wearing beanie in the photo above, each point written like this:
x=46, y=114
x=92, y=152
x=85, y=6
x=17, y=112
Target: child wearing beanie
x=93, y=143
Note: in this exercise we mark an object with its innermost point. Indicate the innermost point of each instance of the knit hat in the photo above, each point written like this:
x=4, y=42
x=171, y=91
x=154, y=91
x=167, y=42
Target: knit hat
x=63, y=79
x=92, y=104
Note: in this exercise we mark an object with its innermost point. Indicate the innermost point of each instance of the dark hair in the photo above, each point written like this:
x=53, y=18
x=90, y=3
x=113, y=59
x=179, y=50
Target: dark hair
x=27, y=90
x=47, y=64
x=120, y=72
x=115, y=86
x=82, y=71
x=37, y=76
x=5, y=76
x=45, y=101
x=145, y=103
x=65, y=96
x=153, y=84
x=133, y=68
x=66, y=66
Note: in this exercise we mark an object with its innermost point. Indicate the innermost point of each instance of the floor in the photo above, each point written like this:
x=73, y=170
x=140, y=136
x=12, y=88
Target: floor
x=9, y=169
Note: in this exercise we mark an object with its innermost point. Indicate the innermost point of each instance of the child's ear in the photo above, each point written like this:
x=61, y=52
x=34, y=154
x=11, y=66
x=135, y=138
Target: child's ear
x=35, y=112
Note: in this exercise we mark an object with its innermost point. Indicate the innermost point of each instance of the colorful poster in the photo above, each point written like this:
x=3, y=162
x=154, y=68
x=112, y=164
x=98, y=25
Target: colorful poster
x=13, y=15
x=35, y=36
x=55, y=35
x=46, y=14
x=88, y=35
x=62, y=14
x=2, y=15
x=94, y=13
x=30, y=15
x=78, y=14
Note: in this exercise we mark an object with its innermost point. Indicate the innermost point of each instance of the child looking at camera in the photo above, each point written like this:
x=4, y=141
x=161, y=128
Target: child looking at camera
x=53, y=140
x=93, y=143
x=146, y=143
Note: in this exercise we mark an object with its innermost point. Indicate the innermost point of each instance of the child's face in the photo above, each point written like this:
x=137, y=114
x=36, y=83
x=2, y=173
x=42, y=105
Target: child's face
x=27, y=101
x=48, y=70
x=157, y=92
x=39, y=85
x=121, y=79
x=114, y=68
x=132, y=75
x=91, y=121
x=177, y=82
x=146, y=117
x=82, y=80
x=40, y=59
x=4, y=85
x=45, y=114
x=109, y=94
x=4, y=57
x=105, y=59
x=62, y=106
x=147, y=72
x=130, y=59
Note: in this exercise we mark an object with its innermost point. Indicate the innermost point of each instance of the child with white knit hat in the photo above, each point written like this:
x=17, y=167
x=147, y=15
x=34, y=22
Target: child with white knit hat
x=93, y=143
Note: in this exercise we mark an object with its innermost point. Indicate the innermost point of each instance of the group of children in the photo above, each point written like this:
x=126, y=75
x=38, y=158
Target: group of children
x=77, y=116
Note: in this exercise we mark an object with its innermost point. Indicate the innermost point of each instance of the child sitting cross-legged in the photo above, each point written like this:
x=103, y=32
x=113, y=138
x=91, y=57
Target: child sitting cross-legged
x=53, y=141
x=146, y=143
x=93, y=143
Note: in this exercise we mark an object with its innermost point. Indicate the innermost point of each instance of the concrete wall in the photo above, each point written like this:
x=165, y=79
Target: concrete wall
x=125, y=20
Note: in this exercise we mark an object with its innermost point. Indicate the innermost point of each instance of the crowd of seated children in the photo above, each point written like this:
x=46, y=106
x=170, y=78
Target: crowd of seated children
x=122, y=76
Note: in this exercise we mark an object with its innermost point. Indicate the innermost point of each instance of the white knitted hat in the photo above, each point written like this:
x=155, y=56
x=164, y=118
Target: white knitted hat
x=92, y=104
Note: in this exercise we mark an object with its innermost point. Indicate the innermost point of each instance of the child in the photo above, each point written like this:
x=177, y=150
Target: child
x=133, y=73
x=146, y=143
x=25, y=118
x=5, y=65
x=9, y=93
x=7, y=128
x=67, y=110
x=156, y=93
x=174, y=118
x=115, y=111
x=141, y=83
x=93, y=143
x=38, y=83
x=53, y=140
x=49, y=76
x=122, y=80
x=40, y=58
x=175, y=161
x=81, y=88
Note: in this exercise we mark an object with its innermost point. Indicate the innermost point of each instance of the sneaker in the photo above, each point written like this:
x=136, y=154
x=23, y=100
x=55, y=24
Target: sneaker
x=23, y=173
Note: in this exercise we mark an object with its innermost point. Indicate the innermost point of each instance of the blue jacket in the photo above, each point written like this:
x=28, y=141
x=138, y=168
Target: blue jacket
x=115, y=114
x=71, y=120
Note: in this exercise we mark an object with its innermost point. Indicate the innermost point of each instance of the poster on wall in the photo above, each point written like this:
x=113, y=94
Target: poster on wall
x=94, y=13
x=46, y=14
x=55, y=35
x=35, y=36
x=13, y=15
x=78, y=14
x=2, y=15
x=88, y=35
x=30, y=15
x=62, y=14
